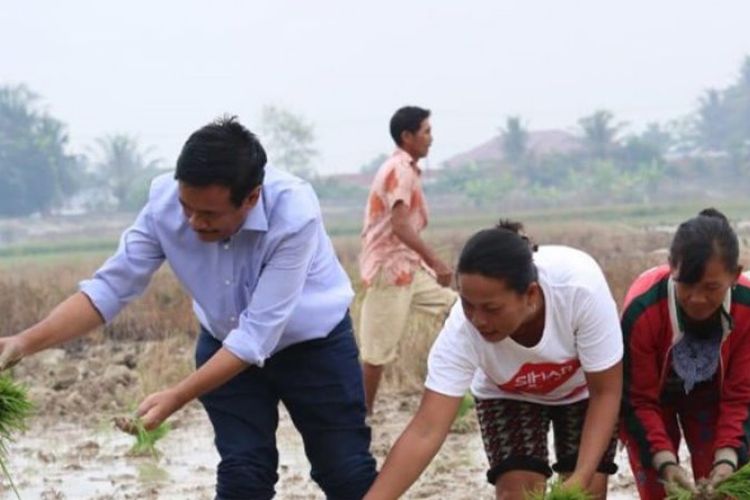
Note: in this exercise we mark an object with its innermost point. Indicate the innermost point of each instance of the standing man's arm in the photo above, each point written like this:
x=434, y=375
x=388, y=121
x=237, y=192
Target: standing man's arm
x=409, y=237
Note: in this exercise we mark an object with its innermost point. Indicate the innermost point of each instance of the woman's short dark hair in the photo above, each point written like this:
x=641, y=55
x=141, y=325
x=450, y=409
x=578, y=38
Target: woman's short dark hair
x=503, y=253
x=407, y=119
x=699, y=239
x=223, y=153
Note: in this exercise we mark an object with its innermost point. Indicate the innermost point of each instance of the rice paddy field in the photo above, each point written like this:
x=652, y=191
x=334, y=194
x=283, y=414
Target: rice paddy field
x=72, y=448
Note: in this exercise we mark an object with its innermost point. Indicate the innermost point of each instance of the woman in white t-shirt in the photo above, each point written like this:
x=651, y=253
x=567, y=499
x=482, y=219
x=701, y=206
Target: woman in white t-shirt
x=536, y=336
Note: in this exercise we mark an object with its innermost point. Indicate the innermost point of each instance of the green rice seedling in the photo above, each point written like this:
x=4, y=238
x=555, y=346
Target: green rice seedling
x=15, y=408
x=556, y=491
x=467, y=404
x=462, y=423
x=145, y=440
x=737, y=485
x=677, y=492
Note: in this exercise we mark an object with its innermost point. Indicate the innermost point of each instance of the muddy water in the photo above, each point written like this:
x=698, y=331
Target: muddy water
x=63, y=459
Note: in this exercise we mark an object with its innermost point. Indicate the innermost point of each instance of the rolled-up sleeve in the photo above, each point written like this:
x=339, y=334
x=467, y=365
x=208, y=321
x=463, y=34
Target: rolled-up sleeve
x=125, y=275
x=279, y=288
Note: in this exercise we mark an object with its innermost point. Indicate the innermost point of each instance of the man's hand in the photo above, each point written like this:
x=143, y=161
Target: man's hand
x=443, y=273
x=674, y=474
x=11, y=351
x=157, y=407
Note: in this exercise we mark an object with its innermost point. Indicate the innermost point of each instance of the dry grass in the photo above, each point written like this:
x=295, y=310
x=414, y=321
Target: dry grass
x=164, y=313
x=622, y=251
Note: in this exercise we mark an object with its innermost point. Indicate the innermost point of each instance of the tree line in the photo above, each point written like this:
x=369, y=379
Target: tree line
x=709, y=149
x=710, y=146
x=38, y=172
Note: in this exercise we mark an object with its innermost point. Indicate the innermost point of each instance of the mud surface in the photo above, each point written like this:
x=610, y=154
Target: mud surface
x=73, y=451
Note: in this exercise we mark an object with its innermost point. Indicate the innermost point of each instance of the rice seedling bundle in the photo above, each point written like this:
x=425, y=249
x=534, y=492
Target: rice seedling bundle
x=557, y=492
x=15, y=408
x=677, y=492
x=145, y=440
x=735, y=487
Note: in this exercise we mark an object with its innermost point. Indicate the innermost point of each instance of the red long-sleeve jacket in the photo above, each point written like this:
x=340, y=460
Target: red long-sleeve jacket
x=649, y=336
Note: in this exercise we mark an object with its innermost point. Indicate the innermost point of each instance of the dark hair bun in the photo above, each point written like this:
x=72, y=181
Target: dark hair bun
x=712, y=212
x=517, y=227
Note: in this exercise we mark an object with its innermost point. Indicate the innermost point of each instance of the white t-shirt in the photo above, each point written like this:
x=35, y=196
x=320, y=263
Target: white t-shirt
x=581, y=333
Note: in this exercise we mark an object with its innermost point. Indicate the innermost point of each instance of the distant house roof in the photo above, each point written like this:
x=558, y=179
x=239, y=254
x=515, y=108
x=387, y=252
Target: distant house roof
x=540, y=143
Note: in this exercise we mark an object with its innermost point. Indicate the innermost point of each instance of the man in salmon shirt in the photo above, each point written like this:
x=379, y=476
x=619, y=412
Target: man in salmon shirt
x=400, y=272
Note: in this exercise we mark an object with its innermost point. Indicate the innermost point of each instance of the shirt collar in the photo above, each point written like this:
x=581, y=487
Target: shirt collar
x=400, y=153
x=256, y=219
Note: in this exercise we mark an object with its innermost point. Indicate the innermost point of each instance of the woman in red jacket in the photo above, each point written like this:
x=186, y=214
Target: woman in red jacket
x=686, y=331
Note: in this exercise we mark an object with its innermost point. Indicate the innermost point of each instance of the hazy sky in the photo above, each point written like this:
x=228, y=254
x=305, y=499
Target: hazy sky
x=160, y=69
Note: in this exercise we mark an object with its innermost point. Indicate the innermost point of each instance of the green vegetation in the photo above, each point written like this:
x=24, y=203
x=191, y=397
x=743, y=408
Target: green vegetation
x=124, y=170
x=15, y=408
x=557, y=492
x=677, y=492
x=347, y=226
x=61, y=248
x=736, y=486
x=145, y=440
x=37, y=171
x=40, y=174
x=467, y=404
x=706, y=155
x=465, y=421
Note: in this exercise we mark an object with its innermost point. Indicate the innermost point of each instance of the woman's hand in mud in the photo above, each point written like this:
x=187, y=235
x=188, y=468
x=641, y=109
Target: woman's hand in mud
x=720, y=472
x=157, y=407
x=674, y=474
x=573, y=482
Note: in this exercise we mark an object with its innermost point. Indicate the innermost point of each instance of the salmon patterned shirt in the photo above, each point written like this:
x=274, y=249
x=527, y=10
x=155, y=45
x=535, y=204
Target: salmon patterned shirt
x=397, y=180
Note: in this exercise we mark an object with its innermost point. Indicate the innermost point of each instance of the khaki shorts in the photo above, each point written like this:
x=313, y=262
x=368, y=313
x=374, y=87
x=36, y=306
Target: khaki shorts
x=386, y=309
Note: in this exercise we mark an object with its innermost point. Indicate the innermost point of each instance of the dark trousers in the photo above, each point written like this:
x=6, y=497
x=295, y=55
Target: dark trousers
x=320, y=384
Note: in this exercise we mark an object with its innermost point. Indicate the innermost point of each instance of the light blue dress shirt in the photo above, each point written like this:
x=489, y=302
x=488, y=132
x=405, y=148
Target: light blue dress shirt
x=274, y=283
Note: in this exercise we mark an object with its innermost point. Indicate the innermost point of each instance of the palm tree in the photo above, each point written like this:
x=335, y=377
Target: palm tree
x=121, y=164
x=600, y=133
x=36, y=170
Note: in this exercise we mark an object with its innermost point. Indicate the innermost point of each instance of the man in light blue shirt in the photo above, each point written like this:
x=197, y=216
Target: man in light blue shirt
x=248, y=243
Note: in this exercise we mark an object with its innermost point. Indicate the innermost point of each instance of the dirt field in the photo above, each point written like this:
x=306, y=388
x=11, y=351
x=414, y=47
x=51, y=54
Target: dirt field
x=73, y=451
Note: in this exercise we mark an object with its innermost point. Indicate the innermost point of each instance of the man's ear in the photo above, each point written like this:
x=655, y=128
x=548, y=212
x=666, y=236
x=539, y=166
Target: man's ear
x=252, y=198
x=405, y=137
x=534, y=290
